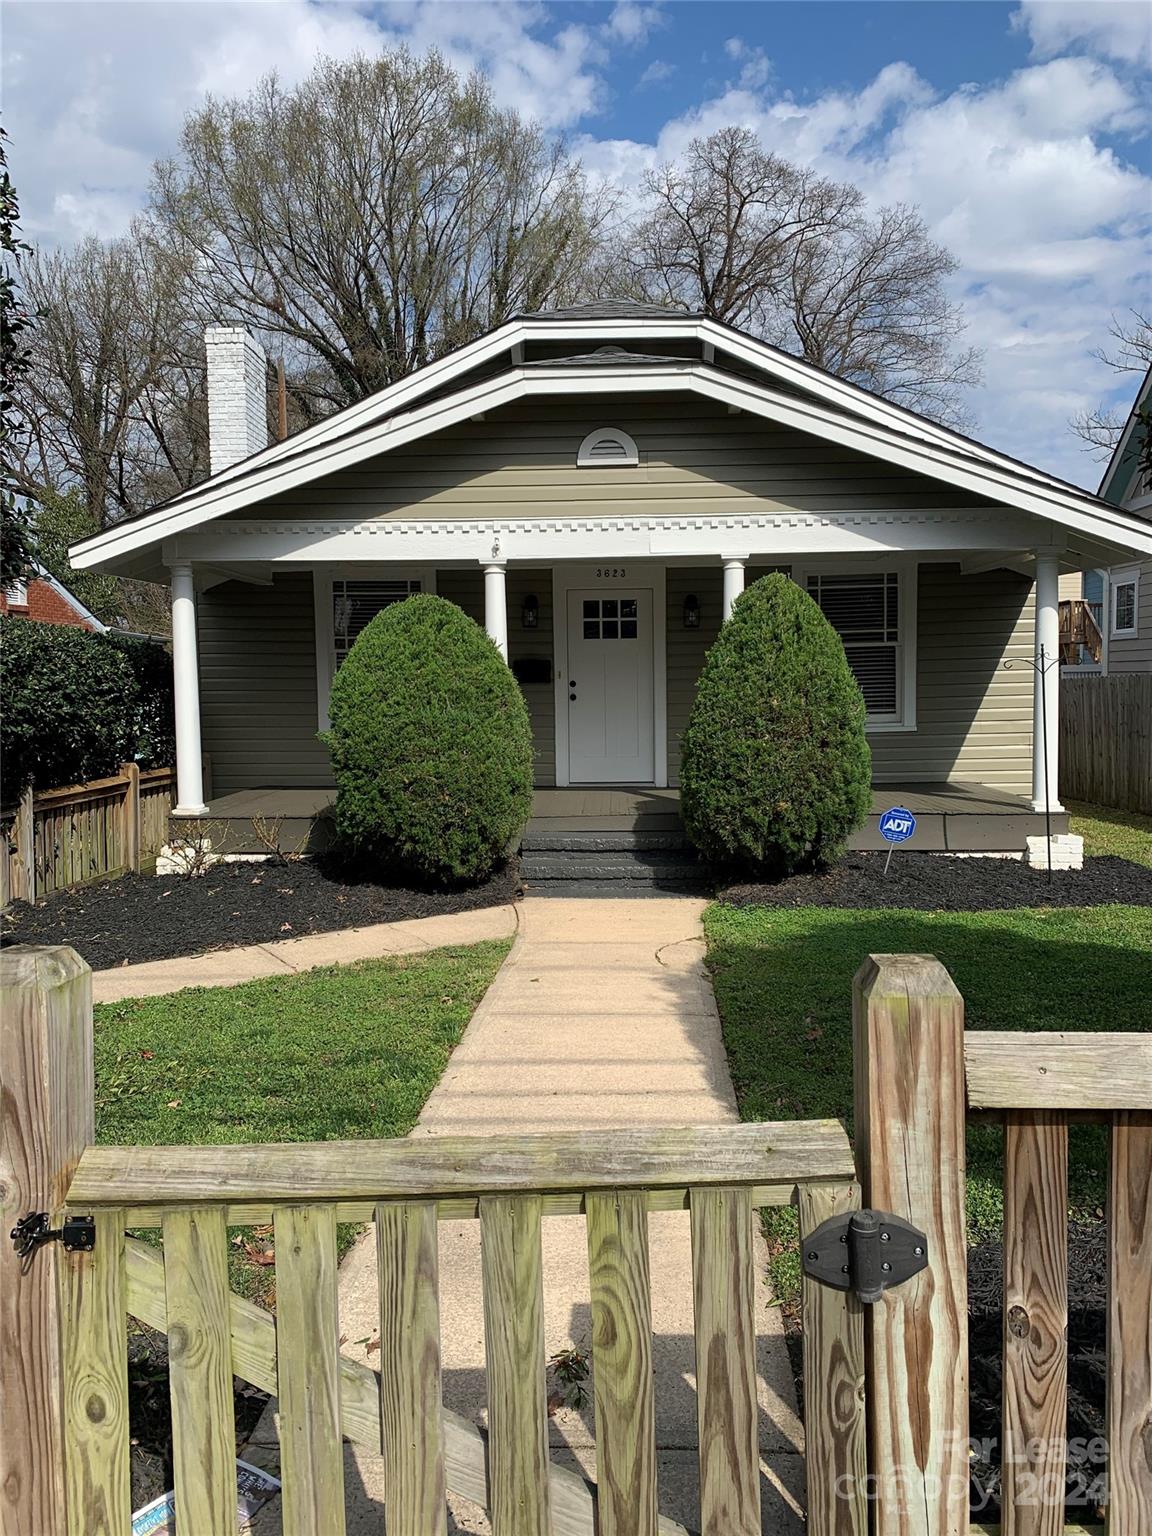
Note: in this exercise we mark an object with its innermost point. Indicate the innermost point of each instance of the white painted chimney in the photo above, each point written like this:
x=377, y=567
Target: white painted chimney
x=237, y=395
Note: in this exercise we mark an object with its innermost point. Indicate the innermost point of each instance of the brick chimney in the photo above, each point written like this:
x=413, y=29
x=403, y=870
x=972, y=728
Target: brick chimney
x=237, y=395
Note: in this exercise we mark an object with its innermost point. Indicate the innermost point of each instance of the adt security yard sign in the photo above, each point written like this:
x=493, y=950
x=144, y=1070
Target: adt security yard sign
x=897, y=825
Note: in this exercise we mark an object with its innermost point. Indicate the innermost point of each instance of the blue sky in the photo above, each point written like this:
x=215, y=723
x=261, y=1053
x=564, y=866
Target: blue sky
x=1021, y=130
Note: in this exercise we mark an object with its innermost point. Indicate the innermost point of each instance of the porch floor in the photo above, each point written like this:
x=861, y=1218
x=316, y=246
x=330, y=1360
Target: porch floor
x=956, y=818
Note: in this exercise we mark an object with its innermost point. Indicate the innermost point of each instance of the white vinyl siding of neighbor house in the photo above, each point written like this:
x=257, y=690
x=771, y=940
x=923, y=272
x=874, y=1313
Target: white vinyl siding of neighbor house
x=521, y=462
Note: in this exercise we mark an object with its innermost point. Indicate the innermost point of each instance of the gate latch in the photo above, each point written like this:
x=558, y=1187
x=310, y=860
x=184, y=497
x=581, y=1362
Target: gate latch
x=865, y=1251
x=78, y=1234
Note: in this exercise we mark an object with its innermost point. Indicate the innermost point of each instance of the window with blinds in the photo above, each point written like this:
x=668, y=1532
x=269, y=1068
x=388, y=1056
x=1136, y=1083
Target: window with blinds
x=864, y=610
x=356, y=603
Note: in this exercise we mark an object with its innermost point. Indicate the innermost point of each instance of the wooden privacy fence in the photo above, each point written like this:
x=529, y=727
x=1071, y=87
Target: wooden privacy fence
x=64, y=1450
x=1106, y=740
x=56, y=838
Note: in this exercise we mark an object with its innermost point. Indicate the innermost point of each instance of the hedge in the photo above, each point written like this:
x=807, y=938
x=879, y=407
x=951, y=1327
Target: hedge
x=75, y=705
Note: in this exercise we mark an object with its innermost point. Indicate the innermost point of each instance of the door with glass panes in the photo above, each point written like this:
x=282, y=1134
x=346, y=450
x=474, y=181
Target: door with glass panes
x=611, y=735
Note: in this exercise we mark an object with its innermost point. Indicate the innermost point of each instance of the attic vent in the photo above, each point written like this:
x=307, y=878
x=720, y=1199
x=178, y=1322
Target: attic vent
x=607, y=445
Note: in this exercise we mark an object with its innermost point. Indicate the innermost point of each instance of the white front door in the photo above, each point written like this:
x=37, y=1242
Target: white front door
x=611, y=736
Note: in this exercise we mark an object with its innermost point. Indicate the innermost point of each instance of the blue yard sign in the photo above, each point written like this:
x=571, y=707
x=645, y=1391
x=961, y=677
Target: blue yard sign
x=897, y=825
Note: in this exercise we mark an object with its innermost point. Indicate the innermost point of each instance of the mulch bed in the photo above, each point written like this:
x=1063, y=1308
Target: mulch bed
x=150, y=1413
x=142, y=917
x=927, y=882
x=1087, y=1313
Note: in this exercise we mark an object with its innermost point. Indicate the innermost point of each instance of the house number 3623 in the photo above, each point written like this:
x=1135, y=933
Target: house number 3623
x=608, y=572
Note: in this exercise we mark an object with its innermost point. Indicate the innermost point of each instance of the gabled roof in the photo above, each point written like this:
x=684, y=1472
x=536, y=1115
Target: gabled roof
x=1123, y=466
x=769, y=383
x=610, y=309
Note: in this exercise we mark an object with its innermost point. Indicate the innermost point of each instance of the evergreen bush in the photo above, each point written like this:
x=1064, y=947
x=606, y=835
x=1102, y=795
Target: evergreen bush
x=775, y=769
x=431, y=746
x=68, y=703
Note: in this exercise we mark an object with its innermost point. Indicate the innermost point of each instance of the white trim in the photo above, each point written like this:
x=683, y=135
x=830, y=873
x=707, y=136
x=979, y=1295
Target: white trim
x=1128, y=576
x=647, y=576
x=323, y=579
x=908, y=572
x=585, y=454
x=1038, y=497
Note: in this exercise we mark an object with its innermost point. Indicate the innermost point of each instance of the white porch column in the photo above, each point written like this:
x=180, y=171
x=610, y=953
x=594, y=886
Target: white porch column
x=1046, y=691
x=186, y=686
x=496, y=607
x=733, y=584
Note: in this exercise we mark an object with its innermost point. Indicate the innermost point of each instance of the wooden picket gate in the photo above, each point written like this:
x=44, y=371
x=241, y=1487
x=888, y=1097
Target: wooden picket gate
x=893, y=1460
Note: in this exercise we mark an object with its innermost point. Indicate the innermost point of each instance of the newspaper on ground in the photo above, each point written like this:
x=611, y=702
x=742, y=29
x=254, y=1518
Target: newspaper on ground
x=253, y=1489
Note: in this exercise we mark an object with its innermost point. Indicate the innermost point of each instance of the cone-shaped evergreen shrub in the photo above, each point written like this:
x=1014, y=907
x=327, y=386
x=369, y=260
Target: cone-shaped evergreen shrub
x=431, y=746
x=775, y=768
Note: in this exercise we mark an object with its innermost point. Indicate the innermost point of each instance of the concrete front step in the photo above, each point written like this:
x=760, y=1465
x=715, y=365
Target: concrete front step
x=603, y=842
x=644, y=866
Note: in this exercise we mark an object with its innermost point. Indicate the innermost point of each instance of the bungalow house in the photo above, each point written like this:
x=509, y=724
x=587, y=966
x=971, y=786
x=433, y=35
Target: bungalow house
x=595, y=485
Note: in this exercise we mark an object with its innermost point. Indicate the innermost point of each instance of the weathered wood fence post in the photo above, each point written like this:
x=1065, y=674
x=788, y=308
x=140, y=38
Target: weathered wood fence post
x=24, y=882
x=46, y=1120
x=908, y=1027
x=131, y=823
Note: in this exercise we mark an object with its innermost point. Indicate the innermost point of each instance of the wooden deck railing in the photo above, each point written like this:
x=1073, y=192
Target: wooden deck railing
x=56, y=838
x=1081, y=631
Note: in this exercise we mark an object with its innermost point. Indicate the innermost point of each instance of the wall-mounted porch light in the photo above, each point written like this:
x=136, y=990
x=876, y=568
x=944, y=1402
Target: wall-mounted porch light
x=691, y=611
x=530, y=612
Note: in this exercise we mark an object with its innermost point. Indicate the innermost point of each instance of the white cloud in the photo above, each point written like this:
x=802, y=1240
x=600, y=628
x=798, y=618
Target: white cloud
x=632, y=23
x=656, y=73
x=1052, y=228
x=1118, y=29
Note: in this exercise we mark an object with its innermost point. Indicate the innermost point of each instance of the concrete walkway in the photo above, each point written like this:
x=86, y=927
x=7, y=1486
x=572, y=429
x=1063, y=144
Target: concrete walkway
x=602, y=1016
x=228, y=967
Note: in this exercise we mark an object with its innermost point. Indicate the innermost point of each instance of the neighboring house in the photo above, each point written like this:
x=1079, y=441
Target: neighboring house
x=47, y=601
x=595, y=485
x=1113, y=605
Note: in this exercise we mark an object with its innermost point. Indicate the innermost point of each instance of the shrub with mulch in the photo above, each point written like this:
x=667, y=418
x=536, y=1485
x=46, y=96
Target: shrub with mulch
x=123, y=922
x=931, y=882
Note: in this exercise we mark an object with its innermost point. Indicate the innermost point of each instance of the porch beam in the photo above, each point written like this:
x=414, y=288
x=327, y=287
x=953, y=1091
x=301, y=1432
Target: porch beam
x=1046, y=687
x=536, y=540
x=186, y=688
x=496, y=606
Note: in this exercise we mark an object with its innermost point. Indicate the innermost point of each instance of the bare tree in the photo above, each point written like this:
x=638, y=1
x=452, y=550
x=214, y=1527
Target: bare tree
x=1100, y=429
x=747, y=238
x=376, y=216
x=115, y=377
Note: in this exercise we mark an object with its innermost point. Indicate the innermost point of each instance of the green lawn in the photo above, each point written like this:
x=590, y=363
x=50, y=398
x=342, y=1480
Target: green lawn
x=1124, y=833
x=345, y=1052
x=783, y=984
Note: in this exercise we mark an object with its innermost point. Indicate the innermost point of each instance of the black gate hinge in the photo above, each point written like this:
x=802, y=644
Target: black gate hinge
x=78, y=1234
x=866, y=1251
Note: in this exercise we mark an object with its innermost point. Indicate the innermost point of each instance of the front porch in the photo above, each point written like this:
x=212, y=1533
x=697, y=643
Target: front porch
x=951, y=818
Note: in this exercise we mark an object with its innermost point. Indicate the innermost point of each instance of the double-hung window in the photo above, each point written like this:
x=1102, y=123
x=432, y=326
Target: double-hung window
x=356, y=603
x=865, y=611
x=1125, y=592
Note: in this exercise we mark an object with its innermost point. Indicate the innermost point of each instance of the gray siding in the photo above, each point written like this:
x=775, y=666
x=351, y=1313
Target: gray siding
x=258, y=685
x=521, y=460
x=688, y=647
x=974, y=715
x=1135, y=654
